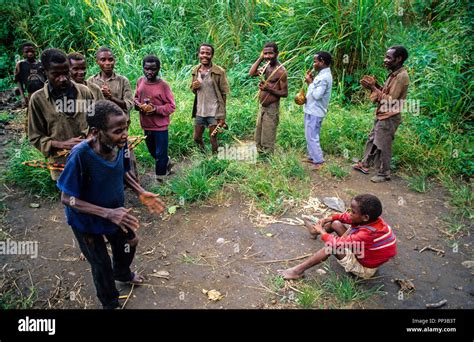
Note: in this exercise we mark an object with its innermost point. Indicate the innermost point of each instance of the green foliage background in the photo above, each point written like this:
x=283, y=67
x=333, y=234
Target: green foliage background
x=436, y=141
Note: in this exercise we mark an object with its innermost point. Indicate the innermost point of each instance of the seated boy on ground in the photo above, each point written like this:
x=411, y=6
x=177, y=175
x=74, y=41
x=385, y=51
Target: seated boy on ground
x=369, y=243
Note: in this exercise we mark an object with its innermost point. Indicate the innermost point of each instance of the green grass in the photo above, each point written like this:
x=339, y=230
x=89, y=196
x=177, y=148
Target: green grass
x=327, y=291
x=336, y=171
x=270, y=184
x=37, y=181
x=309, y=296
x=455, y=226
x=346, y=288
x=418, y=182
x=459, y=220
x=276, y=283
x=9, y=299
x=6, y=116
x=188, y=259
x=197, y=182
x=462, y=198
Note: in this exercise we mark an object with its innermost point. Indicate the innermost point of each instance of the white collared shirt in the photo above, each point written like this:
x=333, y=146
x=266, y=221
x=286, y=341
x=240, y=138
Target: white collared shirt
x=319, y=93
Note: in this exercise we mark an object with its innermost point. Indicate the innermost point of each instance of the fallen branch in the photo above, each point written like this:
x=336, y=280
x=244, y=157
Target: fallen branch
x=61, y=259
x=283, y=260
x=429, y=248
x=436, y=305
x=251, y=255
x=128, y=297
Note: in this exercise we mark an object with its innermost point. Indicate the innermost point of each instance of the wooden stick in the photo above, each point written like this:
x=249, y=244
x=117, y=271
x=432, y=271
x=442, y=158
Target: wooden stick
x=128, y=297
x=283, y=260
x=436, y=305
x=439, y=251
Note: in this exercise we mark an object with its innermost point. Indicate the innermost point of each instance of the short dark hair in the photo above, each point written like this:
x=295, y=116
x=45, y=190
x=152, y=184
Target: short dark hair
x=26, y=44
x=98, y=116
x=103, y=49
x=324, y=56
x=369, y=205
x=52, y=56
x=151, y=59
x=208, y=45
x=75, y=56
x=272, y=45
x=400, y=51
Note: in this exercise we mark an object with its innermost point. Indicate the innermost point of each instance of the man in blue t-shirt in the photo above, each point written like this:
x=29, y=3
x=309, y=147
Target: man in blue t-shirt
x=93, y=192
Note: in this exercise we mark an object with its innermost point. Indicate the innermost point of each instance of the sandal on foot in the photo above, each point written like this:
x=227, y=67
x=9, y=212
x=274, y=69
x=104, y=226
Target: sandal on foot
x=136, y=280
x=360, y=168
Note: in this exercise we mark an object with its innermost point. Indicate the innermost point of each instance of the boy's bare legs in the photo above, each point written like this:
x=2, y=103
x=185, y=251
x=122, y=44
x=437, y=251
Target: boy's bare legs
x=297, y=271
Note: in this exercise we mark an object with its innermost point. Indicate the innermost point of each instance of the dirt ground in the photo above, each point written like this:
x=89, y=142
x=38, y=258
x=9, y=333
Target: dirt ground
x=185, y=246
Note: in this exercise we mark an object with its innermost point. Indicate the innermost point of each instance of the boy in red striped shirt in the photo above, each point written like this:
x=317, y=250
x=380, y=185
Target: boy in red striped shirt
x=369, y=242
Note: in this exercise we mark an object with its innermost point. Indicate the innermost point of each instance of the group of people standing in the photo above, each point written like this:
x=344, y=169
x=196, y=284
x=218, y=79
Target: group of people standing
x=89, y=119
x=154, y=100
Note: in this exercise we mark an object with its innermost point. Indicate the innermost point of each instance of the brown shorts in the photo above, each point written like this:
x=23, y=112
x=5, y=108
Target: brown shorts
x=352, y=265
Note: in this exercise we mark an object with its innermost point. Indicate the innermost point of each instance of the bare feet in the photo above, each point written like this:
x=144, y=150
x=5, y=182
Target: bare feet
x=137, y=279
x=310, y=226
x=290, y=274
x=318, y=166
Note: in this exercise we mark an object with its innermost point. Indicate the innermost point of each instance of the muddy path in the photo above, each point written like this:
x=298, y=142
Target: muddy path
x=215, y=245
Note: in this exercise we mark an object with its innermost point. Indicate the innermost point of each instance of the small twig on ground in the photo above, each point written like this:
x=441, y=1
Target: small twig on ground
x=169, y=238
x=291, y=287
x=128, y=297
x=248, y=249
x=436, y=305
x=284, y=260
x=414, y=234
x=445, y=232
x=68, y=259
x=251, y=255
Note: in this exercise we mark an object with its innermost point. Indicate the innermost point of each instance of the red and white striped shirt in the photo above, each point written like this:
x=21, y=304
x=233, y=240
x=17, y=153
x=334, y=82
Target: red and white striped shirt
x=377, y=240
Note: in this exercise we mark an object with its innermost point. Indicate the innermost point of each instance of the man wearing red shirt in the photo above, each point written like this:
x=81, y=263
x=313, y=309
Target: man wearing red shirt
x=369, y=242
x=155, y=102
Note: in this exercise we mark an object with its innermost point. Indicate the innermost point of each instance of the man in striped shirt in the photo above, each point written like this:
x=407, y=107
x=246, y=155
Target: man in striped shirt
x=369, y=243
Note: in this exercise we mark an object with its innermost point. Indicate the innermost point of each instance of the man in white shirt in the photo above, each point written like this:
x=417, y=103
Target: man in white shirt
x=316, y=106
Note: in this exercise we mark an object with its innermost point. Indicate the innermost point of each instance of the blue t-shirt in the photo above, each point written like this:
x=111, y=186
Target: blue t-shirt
x=89, y=177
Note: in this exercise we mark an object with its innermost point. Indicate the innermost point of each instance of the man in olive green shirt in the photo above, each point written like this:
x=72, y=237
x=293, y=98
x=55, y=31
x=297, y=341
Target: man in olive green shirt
x=57, y=112
x=115, y=87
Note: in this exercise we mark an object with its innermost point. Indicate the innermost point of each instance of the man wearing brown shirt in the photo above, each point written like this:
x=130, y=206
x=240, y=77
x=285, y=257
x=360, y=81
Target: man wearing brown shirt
x=210, y=86
x=390, y=100
x=115, y=87
x=57, y=112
